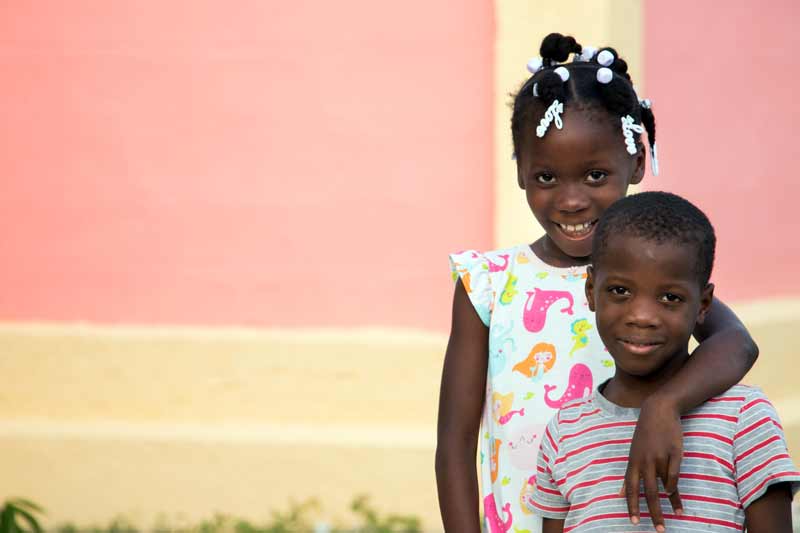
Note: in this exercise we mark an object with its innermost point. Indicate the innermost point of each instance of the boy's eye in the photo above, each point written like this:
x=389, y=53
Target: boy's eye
x=596, y=176
x=546, y=179
x=618, y=291
x=671, y=298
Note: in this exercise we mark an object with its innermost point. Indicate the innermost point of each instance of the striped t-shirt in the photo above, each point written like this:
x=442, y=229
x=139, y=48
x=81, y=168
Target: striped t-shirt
x=734, y=449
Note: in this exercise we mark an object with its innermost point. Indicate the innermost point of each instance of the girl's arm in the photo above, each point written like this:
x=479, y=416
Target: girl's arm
x=460, y=405
x=771, y=513
x=725, y=354
x=552, y=525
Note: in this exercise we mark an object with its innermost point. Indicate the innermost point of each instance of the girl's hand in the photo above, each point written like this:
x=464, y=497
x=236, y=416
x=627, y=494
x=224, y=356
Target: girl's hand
x=656, y=453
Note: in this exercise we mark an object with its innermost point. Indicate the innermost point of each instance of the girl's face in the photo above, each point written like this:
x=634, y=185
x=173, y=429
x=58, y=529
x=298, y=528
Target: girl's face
x=571, y=176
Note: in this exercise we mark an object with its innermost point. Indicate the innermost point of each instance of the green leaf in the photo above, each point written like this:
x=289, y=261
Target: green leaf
x=27, y=505
x=32, y=523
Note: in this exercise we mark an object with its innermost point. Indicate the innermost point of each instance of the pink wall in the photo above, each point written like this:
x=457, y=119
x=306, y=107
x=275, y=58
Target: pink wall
x=274, y=163
x=724, y=80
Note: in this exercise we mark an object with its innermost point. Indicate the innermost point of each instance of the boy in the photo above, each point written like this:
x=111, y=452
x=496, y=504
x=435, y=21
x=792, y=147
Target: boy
x=652, y=258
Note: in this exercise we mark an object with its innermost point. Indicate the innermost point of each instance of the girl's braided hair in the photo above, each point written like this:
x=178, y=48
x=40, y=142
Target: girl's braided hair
x=581, y=90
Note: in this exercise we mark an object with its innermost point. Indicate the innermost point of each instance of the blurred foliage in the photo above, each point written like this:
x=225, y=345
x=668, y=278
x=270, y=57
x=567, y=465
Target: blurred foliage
x=18, y=516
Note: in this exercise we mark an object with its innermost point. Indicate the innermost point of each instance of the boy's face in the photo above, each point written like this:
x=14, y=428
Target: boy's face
x=647, y=301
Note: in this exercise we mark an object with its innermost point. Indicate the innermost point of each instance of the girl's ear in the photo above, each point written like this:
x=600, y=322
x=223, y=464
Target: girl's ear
x=520, y=181
x=640, y=164
x=589, y=287
x=706, y=297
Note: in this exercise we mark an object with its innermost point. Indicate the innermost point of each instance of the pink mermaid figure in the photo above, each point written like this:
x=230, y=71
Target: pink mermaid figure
x=579, y=386
x=496, y=524
x=539, y=301
x=494, y=267
x=509, y=415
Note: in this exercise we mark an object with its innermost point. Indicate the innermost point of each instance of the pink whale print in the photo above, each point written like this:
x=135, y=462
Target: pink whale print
x=494, y=267
x=507, y=417
x=539, y=301
x=496, y=524
x=579, y=386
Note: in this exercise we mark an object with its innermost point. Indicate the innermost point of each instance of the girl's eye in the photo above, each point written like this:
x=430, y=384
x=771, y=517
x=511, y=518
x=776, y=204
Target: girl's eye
x=618, y=291
x=671, y=298
x=596, y=176
x=546, y=179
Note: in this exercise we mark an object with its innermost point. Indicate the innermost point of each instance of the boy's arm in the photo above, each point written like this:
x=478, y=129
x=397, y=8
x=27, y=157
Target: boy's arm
x=552, y=525
x=772, y=512
x=725, y=354
x=460, y=404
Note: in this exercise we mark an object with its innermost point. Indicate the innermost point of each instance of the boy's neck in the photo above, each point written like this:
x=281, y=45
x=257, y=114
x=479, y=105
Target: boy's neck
x=627, y=390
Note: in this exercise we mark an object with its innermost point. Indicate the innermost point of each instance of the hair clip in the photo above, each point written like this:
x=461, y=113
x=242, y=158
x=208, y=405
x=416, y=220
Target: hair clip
x=553, y=114
x=654, y=159
x=605, y=58
x=646, y=103
x=629, y=127
x=604, y=75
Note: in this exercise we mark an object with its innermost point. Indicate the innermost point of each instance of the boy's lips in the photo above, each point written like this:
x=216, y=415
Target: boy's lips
x=577, y=231
x=639, y=346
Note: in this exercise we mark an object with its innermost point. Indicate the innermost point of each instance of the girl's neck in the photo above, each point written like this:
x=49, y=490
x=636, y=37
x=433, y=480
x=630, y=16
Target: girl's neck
x=546, y=250
x=627, y=390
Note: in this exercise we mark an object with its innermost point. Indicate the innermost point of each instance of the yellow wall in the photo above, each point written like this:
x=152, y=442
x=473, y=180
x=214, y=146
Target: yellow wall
x=96, y=421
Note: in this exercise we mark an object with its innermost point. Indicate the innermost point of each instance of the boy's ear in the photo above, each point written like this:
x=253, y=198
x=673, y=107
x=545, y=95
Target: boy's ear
x=706, y=297
x=589, y=287
x=641, y=163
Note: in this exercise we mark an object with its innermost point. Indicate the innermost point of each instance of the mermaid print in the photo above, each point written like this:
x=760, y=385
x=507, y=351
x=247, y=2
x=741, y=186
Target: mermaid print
x=539, y=301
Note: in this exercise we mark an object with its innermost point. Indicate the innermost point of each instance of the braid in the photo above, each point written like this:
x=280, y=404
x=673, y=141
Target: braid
x=557, y=47
x=649, y=121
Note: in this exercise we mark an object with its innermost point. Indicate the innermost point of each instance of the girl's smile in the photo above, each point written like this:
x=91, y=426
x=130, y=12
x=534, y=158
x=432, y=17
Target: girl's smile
x=578, y=231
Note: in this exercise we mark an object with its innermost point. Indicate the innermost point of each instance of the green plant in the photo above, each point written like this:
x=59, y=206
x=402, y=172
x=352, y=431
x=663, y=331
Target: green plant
x=391, y=523
x=17, y=516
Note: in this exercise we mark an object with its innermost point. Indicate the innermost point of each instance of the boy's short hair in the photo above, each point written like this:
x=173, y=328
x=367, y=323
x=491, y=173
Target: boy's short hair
x=659, y=217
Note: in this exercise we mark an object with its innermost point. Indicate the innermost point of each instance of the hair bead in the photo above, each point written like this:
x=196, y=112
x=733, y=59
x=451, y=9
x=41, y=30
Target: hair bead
x=563, y=73
x=587, y=53
x=604, y=75
x=534, y=65
x=605, y=58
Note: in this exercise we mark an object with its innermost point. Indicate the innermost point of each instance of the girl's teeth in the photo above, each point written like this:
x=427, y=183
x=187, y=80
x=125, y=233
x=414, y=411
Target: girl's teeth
x=576, y=228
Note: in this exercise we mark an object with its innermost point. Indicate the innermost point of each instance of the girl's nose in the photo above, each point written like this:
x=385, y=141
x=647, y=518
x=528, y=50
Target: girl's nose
x=572, y=199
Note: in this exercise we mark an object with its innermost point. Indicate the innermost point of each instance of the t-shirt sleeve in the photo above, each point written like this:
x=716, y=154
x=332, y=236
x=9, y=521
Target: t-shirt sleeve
x=473, y=269
x=760, y=454
x=546, y=500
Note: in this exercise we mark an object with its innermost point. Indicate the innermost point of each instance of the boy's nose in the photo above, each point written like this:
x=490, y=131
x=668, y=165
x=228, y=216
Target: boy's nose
x=642, y=314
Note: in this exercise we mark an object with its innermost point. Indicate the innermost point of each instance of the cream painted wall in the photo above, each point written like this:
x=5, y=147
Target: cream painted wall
x=520, y=29
x=97, y=420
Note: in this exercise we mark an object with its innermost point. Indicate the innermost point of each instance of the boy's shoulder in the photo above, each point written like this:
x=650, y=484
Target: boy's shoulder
x=738, y=395
x=734, y=401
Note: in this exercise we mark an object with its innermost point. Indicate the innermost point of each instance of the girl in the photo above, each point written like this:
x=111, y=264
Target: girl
x=522, y=340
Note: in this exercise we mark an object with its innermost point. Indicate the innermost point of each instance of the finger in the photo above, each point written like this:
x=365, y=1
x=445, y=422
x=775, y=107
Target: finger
x=631, y=486
x=671, y=484
x=651, y=495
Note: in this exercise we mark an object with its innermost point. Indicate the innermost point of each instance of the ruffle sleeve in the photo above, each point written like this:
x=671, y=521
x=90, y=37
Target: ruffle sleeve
x=473, y=269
